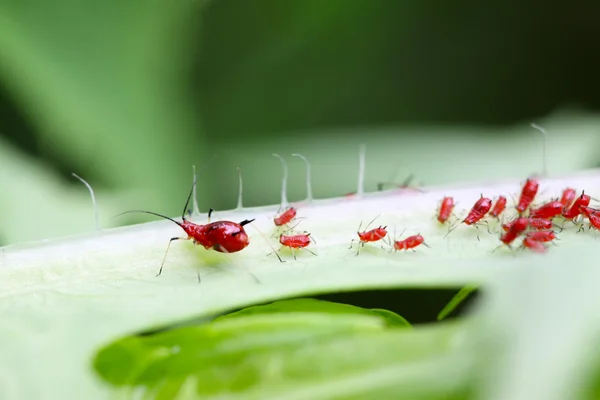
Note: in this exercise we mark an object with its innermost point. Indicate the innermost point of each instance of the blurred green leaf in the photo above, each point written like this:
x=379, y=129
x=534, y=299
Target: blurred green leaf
x=318, y=306
x=314, y=355
x=456, y=301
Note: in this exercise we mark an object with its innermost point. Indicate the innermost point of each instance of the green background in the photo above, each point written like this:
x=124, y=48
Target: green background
x=130, y=94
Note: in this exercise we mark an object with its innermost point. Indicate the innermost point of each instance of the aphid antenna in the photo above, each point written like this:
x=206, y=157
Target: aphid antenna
x=94, y=204
x=369, y=224
x=240, y=205
x=284, y=201
x=545, y=139
x=361, y=170
x=453, y=227
x=185, y=208
x=309, y=194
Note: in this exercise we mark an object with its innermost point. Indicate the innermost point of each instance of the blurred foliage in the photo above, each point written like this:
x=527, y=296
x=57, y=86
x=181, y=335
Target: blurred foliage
x=130, y=95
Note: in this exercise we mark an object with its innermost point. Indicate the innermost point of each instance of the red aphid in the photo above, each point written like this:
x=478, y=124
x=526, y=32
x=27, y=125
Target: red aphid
x=285, y=217
x=548, y=210
x=530, y=189
x=534, y=245
x=409, y=243
x=594, y=220
x=480, y=208
x=221, y=236
x=299, y=241
x=373, y=235
x=568, y=196
x=541, y=236
x=445, y=209
x=498, y=207
x=517, y=227
x=295, y=241
x=534, y=223
x=575, y=210
x=540, y=223
x=593, y=216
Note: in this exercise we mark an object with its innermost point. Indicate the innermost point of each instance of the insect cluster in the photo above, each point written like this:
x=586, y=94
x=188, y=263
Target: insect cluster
x=532, y=224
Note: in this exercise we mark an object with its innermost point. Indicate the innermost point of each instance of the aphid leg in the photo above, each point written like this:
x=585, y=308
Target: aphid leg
x=165, y=256
x=293, y=253
x=310, y=251
x=199, y=279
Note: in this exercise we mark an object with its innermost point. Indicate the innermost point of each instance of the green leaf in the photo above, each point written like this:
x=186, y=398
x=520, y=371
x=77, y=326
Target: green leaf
x=63, y=299
x=311, y=355
x=318, y=306
x=456, y=301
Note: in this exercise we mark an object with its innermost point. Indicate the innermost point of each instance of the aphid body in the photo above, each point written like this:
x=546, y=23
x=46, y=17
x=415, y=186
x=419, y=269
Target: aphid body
x=568, y=196
x=295, y=241
x=445, y=209
x=534, y=245
x=498, y=207
x=548, y=210
x=575, y=210
x=528, y=192
x=543, y=236
x=480, y=208
x=534, y=223
x=409, y=243
x=516, y=228
x=285, y=217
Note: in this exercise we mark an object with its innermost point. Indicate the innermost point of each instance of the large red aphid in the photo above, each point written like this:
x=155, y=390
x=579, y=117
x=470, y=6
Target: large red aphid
x=480, y=208
x=534, y=245
x=575, y=210
x=528, y=192
x=409, y=243
x=221, y=236
x=445, y=209
x=568, y=196
x=515, y=229
x=543, y=236
x=498, y=207
x=285, y=217
x=548, y=210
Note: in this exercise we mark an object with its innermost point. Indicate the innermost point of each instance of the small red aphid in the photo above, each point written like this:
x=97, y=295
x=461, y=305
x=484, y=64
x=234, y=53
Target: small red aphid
x=594, y=220
x=445, y=209
x=575, y=210
x=548, y=210
x=367, y=236
x=516, y=228
x=285, y=217
x=534, y=245
x=480, y=208
x=541, y=236
x=221, y=236
x=593, y=216
x=299, y=241
x=409, y=243
x=498, y=207
x=534, y=223
x=530, y=189
x=568, y=196
x=540, y=223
